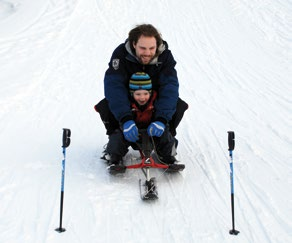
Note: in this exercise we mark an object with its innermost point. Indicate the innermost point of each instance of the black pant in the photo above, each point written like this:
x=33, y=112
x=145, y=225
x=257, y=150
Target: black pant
x=111, y=124
x=164, y=145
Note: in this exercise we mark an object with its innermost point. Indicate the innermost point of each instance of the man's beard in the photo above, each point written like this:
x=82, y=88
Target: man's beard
x=146, y=59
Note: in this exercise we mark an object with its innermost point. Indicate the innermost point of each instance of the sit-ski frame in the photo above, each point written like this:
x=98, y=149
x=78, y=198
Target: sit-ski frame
x=146, y=147
x=146, y=163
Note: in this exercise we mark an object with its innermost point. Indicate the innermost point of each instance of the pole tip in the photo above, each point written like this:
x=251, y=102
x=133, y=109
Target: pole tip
x=60, y=230
x=234, y=232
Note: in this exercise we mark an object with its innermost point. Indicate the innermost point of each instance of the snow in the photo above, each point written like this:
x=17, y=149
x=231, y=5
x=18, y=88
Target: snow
x=234, y=65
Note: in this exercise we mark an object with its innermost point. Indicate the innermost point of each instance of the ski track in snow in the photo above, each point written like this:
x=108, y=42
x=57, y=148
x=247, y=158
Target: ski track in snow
x=234, y=65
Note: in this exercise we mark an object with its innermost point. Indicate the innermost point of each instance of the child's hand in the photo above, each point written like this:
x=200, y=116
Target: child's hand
x=130, y=131
x=156, y=129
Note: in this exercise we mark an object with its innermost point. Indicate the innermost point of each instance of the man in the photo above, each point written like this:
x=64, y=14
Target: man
x=143, y=51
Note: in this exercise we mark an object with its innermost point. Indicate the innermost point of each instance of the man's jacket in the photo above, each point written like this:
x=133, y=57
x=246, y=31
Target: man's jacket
x=162, y=71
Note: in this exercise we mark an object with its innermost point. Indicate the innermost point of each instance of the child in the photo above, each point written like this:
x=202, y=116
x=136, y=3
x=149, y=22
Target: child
x=143, y=109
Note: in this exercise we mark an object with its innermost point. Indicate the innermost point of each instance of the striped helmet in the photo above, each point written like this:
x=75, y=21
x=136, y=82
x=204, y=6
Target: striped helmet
x=140, y=80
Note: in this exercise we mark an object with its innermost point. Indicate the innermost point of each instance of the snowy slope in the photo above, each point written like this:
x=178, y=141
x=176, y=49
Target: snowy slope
x=234, y=65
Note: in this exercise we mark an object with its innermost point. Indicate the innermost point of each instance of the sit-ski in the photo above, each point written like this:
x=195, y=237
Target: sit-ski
x=147, y=161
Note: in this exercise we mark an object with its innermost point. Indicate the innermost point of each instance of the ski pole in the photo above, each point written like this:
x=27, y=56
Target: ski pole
x=66, y=143
x=231, y=144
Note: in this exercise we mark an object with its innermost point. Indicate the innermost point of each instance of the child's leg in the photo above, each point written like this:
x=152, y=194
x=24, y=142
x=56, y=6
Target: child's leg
x=117, y=145
x=166, y=147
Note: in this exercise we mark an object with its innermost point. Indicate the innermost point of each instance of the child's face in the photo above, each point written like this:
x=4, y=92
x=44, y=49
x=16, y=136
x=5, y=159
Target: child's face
x=141, y=96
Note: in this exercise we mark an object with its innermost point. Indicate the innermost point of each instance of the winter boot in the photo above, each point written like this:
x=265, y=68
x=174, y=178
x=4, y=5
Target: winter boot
x=167, y=159
x=172, y=163
x=116, y=165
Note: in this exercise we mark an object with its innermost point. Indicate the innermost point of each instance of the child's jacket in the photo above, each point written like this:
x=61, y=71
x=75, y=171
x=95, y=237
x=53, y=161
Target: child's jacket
x=143, y=117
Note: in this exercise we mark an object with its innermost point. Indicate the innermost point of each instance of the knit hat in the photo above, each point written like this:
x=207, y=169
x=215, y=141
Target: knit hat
x=140, y=80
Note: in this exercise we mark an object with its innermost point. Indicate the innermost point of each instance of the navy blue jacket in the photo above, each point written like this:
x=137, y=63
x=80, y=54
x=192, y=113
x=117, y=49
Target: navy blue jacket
x=162, y=71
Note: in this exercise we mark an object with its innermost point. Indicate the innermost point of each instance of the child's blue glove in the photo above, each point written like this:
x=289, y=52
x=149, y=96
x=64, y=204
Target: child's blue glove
x=130, y=131
x=156, y=129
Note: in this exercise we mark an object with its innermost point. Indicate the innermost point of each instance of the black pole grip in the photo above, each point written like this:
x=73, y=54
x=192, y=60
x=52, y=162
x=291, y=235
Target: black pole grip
x=66, y=137
x=231, y=142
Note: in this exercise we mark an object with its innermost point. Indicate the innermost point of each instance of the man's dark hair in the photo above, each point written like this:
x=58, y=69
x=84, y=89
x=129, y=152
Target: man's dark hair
x=145, y=30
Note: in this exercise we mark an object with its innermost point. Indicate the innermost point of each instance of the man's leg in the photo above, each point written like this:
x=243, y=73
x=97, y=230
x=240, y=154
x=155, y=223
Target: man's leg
x=108, y=119
x=181, y=107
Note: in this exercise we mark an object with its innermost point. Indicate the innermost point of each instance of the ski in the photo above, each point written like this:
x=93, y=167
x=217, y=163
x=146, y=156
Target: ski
x=150, y=189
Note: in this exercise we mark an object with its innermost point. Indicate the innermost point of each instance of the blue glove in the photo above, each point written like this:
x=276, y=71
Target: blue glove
x=156, y=129
x=130, y=131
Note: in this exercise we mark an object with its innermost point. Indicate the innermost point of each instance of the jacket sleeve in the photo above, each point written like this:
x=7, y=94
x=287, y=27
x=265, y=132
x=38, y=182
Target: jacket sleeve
x=115, y=86
x=168, y=89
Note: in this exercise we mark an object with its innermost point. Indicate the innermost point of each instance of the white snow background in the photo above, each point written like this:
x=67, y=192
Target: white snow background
x=234, y=66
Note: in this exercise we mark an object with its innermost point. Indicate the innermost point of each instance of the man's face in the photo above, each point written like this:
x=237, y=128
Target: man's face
x=145, y=49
